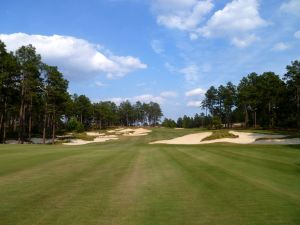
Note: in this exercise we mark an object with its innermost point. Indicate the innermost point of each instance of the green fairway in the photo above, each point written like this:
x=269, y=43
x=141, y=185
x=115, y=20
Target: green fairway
x=129, y=182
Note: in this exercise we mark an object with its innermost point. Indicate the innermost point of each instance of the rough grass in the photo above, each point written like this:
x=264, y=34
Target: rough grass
x=128, y=182
x=219, y=134
x=83, y=136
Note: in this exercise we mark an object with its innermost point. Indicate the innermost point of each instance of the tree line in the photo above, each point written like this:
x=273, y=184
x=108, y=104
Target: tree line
x=34, y=101
x=196, y=121
x=259, y=100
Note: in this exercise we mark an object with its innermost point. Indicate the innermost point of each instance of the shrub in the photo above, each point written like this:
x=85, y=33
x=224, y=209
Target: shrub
x=74, y=125
x=216, y=122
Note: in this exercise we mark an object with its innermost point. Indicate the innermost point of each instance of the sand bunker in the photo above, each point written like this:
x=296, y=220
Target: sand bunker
x=138, y=132
x=94, y=134
x=190, y=139
x=111, y=135
x=96, y=140
x=130, y=132
x=243, y=138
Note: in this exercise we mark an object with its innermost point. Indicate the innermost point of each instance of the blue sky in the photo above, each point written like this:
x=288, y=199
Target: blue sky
x=169, y=51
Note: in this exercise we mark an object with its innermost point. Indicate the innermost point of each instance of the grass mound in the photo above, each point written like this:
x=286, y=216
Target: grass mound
x=219, y=134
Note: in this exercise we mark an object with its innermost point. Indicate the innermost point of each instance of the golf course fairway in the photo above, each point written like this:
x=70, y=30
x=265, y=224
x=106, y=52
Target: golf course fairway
x=130, y=182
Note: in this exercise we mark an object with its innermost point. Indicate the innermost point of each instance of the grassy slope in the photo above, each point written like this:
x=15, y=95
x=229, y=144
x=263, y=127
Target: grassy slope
x=130, y=182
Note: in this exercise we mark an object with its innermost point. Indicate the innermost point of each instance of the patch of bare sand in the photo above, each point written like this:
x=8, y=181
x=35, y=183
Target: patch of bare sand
x=96, y=140
x=243, y=138
x=190, y=139
x=93, y=134
x=111, y=135
x=138, y=132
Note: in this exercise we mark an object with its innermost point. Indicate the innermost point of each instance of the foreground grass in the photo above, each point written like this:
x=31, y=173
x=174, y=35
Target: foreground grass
x=219, y=134
x=130, y=182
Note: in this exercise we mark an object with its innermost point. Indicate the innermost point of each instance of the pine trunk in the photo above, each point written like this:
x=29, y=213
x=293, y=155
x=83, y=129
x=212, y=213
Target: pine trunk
x=4, y=122
x=246, y=117
x=298, y=107
x=30, y=119
x=44, y=126
x=53, y=127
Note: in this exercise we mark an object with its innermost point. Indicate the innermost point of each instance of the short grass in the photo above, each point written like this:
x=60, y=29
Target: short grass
x=128, y=182
x=219, y=134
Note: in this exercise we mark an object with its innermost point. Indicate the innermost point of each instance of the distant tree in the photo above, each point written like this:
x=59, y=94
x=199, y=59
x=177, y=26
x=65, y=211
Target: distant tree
x=292, y=78
x=179, y=122
x=140, y=114
x=216, y=122
x=9, y=89
x=229, y=97
x=126, y=113
x=248, y=96
x=154, y=113
x=210, y=101
x=105, y=114
x=55, y=98
x=270, y=91
x=30, y=63
x=83, y=109
x=169, y=123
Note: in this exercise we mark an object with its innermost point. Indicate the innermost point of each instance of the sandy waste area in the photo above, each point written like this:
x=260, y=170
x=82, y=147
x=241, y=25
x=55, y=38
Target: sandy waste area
x=243, y=138
x=110, y=135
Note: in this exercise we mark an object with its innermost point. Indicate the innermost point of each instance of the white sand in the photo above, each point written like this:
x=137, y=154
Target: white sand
x=190, y=139
x=243, y=138
x=112, y=135
x=111, y=131
x=96, y=140
x=92, y=134
x=138, y=132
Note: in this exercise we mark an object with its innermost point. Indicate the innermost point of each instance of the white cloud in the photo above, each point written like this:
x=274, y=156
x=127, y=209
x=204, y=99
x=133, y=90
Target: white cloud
x=235, y=20
x=194, y=103
x=236, y=16
x=170, y=67
x=141, y=84
x=291, y=7
x=181, y=14
x=194, y=36
x=281, y=46
x=75, y=55
x=191, y=72
x=142, y=98
x=157, y=46
x=297, y=34
x=99, y=84
x=195, y=92
x=244, y=42
x=115, y=100
x=148, y=98
x=145, y=98
x=167, y=94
